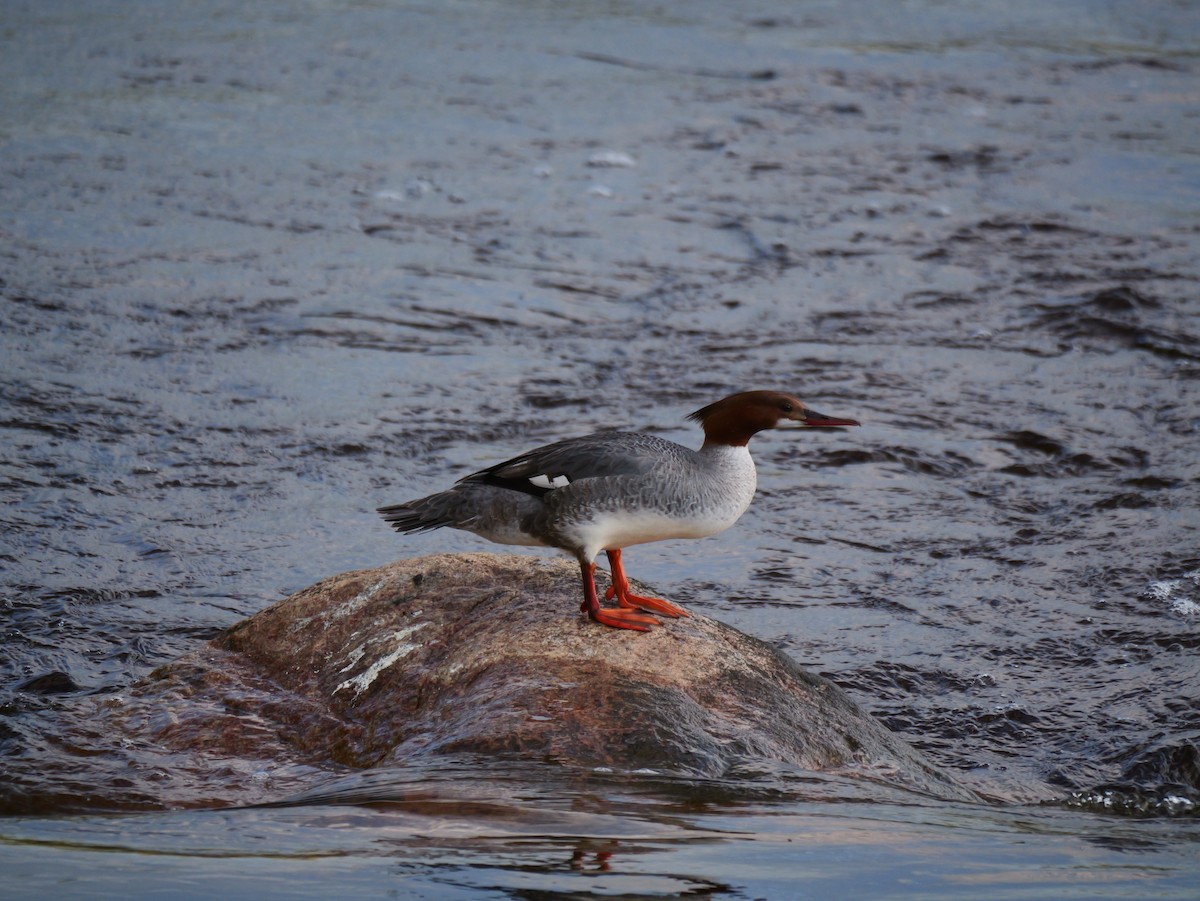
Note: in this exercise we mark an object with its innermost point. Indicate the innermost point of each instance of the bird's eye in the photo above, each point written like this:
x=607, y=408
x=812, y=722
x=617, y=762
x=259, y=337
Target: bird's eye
x=786, y=407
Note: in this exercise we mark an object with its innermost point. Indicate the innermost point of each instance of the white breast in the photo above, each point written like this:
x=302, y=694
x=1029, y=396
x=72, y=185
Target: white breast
x=618, y=530
x=697, y=505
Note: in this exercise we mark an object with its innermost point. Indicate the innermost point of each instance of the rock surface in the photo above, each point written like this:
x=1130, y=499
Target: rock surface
x=487, y=654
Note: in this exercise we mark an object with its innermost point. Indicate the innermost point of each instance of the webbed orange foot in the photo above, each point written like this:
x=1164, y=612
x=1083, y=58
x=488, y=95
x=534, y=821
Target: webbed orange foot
x=620, y=590
x=619, y=618
x=629, y=600
x=614, y=617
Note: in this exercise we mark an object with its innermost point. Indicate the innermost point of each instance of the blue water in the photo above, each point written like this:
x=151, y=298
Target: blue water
x=602, y=837
x=265, y=267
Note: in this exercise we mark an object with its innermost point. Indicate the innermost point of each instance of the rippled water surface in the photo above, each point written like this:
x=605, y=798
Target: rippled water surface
x=267, y=266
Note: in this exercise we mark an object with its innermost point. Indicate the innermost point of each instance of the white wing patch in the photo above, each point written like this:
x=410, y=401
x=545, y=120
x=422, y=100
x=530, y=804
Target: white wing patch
x=544, y=481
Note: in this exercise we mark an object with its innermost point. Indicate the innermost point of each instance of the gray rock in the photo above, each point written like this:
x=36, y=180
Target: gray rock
x=487, y=654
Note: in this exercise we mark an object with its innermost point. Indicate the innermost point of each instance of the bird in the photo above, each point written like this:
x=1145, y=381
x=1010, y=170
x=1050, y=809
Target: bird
x=610, y=490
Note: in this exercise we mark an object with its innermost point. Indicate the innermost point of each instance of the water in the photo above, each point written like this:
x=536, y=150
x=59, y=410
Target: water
x=265, y=268
x=643, y=838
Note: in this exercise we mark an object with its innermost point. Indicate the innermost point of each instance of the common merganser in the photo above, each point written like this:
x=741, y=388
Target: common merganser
x=607, y=491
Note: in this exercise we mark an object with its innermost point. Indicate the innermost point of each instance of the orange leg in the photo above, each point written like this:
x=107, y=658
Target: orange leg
x=626, y=598
x=617, y=617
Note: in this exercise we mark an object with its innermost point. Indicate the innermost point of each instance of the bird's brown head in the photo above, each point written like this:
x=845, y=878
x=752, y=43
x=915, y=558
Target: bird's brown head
x=734, y=420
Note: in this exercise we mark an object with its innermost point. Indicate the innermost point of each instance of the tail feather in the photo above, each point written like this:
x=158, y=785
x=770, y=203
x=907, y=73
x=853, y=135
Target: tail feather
x=414, y=516
x=497, y=514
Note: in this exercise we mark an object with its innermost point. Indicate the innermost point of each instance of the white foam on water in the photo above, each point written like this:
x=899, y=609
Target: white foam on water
x=1176, y=593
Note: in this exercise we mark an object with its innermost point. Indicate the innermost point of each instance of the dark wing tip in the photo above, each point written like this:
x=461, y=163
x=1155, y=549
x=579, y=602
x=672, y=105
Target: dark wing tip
x=517, y=483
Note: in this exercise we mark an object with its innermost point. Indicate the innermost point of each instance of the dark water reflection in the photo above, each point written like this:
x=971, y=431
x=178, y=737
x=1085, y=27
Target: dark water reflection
x=469, y=829
x=265, y=268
